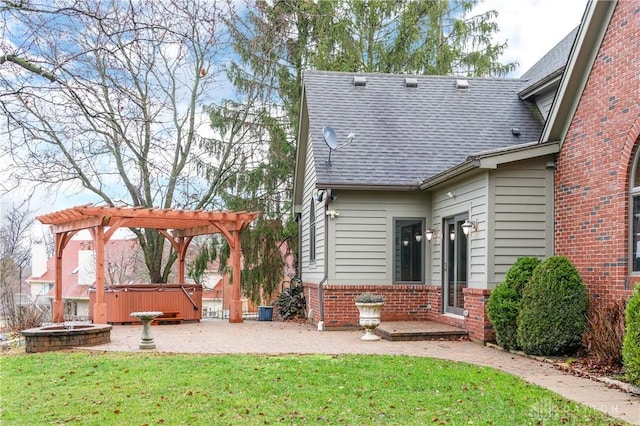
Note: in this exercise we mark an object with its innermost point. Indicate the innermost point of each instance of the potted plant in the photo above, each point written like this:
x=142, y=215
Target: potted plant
x=370, y=307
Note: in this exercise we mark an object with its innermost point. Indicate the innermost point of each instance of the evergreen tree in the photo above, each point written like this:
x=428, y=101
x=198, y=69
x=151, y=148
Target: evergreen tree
x=276, y=41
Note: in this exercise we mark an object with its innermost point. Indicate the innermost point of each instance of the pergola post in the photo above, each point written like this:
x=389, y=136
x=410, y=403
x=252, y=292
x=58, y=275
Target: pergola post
x=99, y=307
x=183, y=244
x=235, y=305
x=58, y=306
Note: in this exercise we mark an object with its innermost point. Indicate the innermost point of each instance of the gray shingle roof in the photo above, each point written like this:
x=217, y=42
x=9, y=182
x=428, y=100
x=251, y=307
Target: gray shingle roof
x=407, y=134
x=554, y=60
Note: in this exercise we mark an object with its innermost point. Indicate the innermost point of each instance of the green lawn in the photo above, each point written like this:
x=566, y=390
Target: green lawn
x=92, y=388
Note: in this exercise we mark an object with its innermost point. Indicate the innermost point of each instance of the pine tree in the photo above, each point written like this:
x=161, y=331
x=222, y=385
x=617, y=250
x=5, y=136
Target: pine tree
x=276, y=41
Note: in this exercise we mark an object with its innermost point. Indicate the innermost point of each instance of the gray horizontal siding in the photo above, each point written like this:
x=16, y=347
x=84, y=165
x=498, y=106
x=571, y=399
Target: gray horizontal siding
x=544, y=102
x=471, y=198
x=311, y=271
x=361, y=236
x=522, y=212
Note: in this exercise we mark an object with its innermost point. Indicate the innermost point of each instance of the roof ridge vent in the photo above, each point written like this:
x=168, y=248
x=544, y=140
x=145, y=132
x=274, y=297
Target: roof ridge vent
x=411, y=82
x=359, y=80
x=462, y=83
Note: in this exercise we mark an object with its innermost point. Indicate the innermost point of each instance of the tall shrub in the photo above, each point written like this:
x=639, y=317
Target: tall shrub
x=631, y=345
x=553, y=311
x=504, y=301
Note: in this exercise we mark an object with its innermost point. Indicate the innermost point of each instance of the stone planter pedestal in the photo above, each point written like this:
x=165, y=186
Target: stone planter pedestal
x=369, y=318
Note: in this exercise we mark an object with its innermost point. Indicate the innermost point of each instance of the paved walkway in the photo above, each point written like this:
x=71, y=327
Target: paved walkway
x=262, y=337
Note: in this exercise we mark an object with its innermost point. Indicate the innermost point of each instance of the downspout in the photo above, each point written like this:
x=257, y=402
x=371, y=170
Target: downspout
x=326, y=274
x=325, y=261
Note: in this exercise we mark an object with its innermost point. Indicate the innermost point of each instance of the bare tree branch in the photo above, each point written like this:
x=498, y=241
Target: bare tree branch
x=28, y=66
x=121, y=107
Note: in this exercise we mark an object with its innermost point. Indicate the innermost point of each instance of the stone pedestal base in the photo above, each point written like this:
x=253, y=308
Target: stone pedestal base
x=368, y=334
x=147, y=337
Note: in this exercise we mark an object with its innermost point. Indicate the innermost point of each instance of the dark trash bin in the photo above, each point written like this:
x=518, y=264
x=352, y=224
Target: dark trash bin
x=265, y=313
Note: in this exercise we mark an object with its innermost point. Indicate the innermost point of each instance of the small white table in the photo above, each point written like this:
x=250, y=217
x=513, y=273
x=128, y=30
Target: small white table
x=146, y=318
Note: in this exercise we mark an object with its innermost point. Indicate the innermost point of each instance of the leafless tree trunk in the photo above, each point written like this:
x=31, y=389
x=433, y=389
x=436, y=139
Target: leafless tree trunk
x=111, y=98
x=15, y=255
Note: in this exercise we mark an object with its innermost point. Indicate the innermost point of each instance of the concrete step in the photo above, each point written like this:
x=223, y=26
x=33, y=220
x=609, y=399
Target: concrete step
x=418, y=330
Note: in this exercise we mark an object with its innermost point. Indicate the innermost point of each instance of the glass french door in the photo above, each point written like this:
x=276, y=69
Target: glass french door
x=455, y=274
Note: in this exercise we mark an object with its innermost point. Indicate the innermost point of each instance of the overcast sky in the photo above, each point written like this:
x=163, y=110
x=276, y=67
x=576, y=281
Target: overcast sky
x=533, y=27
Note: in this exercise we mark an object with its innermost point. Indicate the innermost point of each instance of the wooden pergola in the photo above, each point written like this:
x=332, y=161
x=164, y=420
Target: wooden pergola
x=178, y=227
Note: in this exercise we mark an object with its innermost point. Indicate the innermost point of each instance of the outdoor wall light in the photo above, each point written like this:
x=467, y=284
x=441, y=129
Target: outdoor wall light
x=418, y=237
x=468, y=226
x=332, y=214
x=431, y=233
x=406, y=243
x=452, y=235
x=321, y=195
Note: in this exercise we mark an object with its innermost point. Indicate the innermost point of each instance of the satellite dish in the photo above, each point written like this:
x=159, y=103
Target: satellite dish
x=330, y=137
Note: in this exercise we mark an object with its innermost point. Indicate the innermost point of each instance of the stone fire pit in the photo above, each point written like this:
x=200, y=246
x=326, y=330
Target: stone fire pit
x=57, y=337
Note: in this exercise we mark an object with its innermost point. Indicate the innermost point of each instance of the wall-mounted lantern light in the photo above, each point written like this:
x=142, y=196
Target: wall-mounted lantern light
x=431, y=234
x=467, y=227
x=418, y=237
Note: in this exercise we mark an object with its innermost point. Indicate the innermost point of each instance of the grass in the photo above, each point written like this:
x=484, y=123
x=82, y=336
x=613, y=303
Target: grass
x=92, y=388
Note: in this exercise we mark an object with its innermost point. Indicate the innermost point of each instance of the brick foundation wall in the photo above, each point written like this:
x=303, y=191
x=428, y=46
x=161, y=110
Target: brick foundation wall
x=595, y=163
x=402, y=303
x=477, y=323
x=313, y=304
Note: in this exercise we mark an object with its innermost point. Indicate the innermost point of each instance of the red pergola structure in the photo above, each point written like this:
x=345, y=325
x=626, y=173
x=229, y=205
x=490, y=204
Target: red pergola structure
x=178, y=226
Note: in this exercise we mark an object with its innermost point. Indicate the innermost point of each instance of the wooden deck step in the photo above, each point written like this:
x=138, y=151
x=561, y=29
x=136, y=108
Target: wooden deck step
x=418, y=330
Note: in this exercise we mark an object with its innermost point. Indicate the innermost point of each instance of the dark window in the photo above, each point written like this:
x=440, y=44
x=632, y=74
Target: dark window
x=408, y=251
x=635, y=222
x=312, y=231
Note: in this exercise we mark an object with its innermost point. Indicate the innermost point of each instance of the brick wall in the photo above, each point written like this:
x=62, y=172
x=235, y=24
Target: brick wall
x=478, y=325
x=402, y=303
x=594, y=165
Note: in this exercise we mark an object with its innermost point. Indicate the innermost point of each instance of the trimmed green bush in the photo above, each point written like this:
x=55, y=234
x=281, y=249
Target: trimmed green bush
x=520, y=273
x=553, y=310
x=631, y=345
x=504, y=301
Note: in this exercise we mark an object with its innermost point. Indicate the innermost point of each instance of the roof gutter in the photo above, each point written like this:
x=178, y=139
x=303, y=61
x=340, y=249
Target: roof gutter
x=451, y=173
x=491, y=160
x=369, y=187
x=554, y=76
